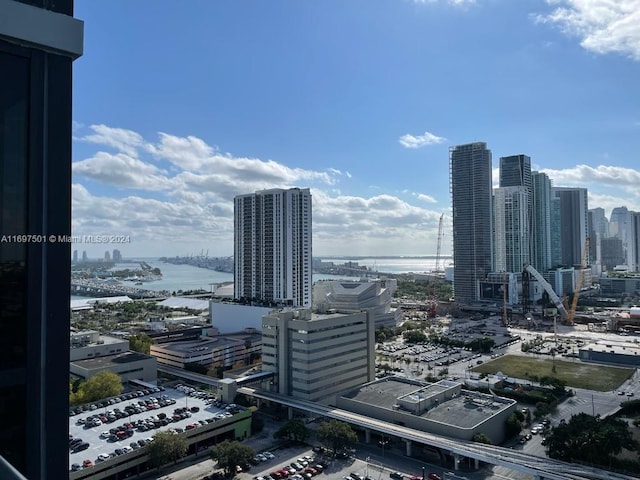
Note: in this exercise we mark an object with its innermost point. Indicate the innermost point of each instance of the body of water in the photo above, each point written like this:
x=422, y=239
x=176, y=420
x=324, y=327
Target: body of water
x=394, y=264
x=187, y=277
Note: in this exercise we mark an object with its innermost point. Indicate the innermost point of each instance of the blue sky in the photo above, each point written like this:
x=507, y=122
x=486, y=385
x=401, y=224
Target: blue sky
x=180, y=106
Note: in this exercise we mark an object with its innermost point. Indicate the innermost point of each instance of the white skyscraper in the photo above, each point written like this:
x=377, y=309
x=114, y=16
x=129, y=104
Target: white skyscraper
x=272, y=247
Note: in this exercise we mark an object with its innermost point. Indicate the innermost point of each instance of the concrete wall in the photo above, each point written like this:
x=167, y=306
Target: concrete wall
x=145, y=370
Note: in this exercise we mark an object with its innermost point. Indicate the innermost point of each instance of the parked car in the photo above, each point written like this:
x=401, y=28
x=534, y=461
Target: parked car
x=396, y=475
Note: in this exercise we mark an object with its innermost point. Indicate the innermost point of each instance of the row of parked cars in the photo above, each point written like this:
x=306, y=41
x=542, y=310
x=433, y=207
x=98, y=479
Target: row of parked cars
x=103, y=457
x=303, y=468
x=112, y=401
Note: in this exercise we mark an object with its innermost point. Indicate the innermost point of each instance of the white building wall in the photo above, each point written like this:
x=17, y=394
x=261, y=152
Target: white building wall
x=233, y=317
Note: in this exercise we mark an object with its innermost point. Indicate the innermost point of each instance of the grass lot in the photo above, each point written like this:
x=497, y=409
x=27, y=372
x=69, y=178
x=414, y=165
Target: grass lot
x=601, y=378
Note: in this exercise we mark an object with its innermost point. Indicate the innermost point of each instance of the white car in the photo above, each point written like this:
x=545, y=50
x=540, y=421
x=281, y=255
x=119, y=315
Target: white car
x=104, y=456
x=105, y=434
x=269, y=455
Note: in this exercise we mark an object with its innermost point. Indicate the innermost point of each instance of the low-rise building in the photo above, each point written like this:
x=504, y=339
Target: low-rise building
x=442, y=408
x=620, y=353
x=128, y=365
x=87, y=344
x=223, y=351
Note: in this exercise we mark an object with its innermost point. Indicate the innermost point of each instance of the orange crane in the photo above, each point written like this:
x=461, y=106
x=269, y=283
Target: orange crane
x=579, y=280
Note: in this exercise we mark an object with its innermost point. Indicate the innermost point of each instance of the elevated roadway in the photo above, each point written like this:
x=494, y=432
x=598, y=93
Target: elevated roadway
x=538, y=467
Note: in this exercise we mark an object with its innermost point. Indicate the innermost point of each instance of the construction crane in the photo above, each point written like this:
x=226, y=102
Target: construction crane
x=579, y=280
x=439, y=247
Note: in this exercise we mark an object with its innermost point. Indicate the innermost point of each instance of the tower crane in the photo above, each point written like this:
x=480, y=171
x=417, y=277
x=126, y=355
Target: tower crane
x=579, y=280
x=439, y=247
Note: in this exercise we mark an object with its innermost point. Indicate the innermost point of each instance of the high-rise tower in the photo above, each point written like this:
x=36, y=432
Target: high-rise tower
x=471, y=200
x=541, y=245
x=511, y=233
x=39, y=39
x=572, y=224
x=515, y=171
x=272, y=246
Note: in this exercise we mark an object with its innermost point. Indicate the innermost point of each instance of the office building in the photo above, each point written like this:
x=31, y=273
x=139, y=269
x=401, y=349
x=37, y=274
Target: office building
x=272, y=247
x=612, y=253
x=316, y=356
x=572, y=224
x=511, y=234
x=634, y=247
x=39, y=39
x=75, y=256
x=117, y=256
x=85, y=258
x=541, y=235
x=471, y=200
x=598, y=229
x=620, y=227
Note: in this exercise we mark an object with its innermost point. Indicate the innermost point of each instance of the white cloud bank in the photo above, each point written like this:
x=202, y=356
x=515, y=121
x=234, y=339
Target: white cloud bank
x=174, y=196
x=418, y=141
x=603, y=26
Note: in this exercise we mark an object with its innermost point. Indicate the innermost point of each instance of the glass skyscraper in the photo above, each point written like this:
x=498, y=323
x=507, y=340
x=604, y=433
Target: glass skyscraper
x=471, y=200
x=39, y=39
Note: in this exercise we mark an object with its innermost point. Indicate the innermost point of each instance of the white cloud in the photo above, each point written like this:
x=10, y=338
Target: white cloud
x=123, y=171
x=123, y=140
x=418, y=141
x=609, y=175
x=452, y=2
x=603, y=26
x=175, y=196
x=425, y=198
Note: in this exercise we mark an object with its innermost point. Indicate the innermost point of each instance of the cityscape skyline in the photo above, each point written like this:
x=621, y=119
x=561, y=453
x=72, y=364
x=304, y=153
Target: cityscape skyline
x=363, y=117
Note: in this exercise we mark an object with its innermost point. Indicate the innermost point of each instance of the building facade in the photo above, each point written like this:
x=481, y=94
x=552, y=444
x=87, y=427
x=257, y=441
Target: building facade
x=39, y=39
x=272, y=247
x=541, y=248
x=316, y=356
x=471, y=200
x=572, y=224
x=511, y=233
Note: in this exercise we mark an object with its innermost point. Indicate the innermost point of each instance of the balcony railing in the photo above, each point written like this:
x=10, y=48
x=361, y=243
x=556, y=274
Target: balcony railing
x=8, y=471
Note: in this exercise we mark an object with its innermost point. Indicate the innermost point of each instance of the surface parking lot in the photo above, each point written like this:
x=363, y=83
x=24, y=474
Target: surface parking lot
x=155, y=408
x=349, y=468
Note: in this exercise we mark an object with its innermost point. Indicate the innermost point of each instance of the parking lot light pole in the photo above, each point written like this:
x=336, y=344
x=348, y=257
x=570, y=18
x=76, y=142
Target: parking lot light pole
x=422, y=473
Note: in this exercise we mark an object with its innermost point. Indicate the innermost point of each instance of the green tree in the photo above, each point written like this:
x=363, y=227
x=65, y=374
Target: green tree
x=228, y=454
x=512, y=425
x=293, y=429
x=166, y=447
x=481, y=438
x=414, y=336
x=102, y=385
x=140, y=343
x=336, y=435
x=585, y=438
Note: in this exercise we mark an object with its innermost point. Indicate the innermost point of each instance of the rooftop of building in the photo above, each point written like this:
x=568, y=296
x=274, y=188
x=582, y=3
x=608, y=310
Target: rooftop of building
x=111, y=360
x=619, y=348
x=210, y=344
x=465, y=410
